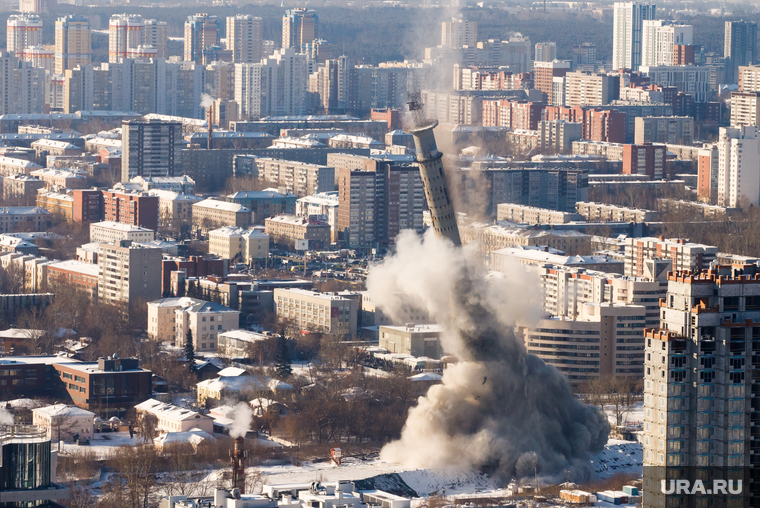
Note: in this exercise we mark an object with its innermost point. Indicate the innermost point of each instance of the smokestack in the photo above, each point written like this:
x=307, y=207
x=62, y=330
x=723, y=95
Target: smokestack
x=239, y=455
x=430, y=161
x=209, y=121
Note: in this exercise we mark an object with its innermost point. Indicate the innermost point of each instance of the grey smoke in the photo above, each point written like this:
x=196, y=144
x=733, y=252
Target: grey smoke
x=500, y=407
x=6, y=418
x=206, y=101
x=243, y=417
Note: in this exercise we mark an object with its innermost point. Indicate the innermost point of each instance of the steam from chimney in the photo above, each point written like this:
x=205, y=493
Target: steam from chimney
x=6, y=418
x=206, y=101
x=500, y=407
x=243, y=417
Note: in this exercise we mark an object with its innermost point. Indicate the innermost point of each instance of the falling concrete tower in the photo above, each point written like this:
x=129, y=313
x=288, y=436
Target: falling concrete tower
x=430, y=161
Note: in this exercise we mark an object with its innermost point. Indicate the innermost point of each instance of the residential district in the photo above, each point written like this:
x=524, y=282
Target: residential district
x=362, y=254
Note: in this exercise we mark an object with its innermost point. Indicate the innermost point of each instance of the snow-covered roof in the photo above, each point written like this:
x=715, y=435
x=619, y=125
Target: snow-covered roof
x=244, y=335
x=233, y=372
x=222, y=205
x=120, y=226
x=169, y=411
x=63, y=410
x=426, y=376
x=73, y=265
x=193, y=436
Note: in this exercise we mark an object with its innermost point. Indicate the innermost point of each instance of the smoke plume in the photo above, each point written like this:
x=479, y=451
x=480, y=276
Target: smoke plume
x=243, y=416
x=6, y=418
x=499, y=408
x=206, y=101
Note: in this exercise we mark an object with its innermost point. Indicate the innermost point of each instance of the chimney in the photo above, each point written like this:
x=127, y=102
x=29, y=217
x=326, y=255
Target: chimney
x=239, y=455
x=210, y=122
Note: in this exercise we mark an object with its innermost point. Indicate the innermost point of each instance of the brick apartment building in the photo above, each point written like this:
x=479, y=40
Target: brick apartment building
x=512, y=114
x=606, y=125
x=194, y=266
x=132, y=208
x=88, y=205
x=646, y=159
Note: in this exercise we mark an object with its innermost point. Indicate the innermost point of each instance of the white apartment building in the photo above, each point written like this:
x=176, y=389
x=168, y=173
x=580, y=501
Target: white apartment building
x=299, y=178
x=739, y=166
x=587, y=89
x=658, y=38
x=206, y=320
x=22, y=32
x=128, y=272
x=566, y=289
x=459, y=32
x=212, y=213
x=234, y=243
x=173, y=418
x=112, y=232
x=557, y=136
x=603, y=340
x=628, y=20
x=323, y=205
x=689, y=79
x=61, y=422
x=745, y=108
x=683, y=255
x=161, y=317
x=700, y=407
x=600, y=212
x=312, y=311
x=237, y=343
x=513, y=212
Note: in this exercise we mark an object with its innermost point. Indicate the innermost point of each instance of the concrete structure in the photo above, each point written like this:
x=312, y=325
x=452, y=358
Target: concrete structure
x=588, y=89
x=708, y=163
x=531, y=215
x=25, y=218
x=265, y=203
x=57, y=203
x=150, y=148
x=175, y=209
x=458, y=33
x=323, y=205
x=173, y=418
x=676, y=130
x=128, y=272
x=699, y=406
x=557, y=136
x=113, y=232
x=683, y=255
x=507, y=259
x=237, y=343
x=201, y=31
x=745, y=108
x=299, y=26
x=211, y=214
x=738, y=163
x=73, y=43
x=689, y=79
x=627, y=33
x=647, y=159
x=659, y=40
x=412, y=339
x=245, y=38
x=739, y=47
x=600, y=212
x=603, y=340
x=544, y=74
x=78, y=274
x=61, y=422
x=310, y=311
x=169, y=319
x=291, y=228
x=238, y=244
x=299, y=178
x=62, y=178
x=23, y=31
x=130, y=207
x=11, y=166
x=21, y=186
x=749, y=78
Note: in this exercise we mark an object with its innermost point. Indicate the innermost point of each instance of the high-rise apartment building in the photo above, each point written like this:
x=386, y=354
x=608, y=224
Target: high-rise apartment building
x=627, y=33
x=275, y=86
x=707, y=179
x=125, y=31
x=739, y=166
x=749, y=78
x=745, y=108
x=73, y=43
x=150, y=148
x=22, y=87
x=128, y=273
x=646, y=159
x=155, y=34
x=739, y=47
x=659, y=38
x=674, y=130
x=544, y=74
x=299, y=26
x=23, y=31
x=689, y=79
x=201, y=31
x=377, y=199
x=588, y=89
x=700, y=408
x=584, y=56
x=458, y=33
x=546, y=52
x=245, y=38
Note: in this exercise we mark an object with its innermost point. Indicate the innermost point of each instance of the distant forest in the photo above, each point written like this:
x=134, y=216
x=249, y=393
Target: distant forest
x=372, y=35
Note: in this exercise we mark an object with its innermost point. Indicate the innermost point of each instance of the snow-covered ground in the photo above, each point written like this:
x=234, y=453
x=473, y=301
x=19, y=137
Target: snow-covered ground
x=633, y=415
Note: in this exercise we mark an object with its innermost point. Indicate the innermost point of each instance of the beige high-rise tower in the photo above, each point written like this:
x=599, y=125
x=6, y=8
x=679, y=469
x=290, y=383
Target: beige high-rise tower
x=245, y=38
x=73, y=43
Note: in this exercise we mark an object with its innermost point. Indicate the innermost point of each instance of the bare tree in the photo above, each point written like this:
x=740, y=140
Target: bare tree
x=135, y=468
x=148, y=427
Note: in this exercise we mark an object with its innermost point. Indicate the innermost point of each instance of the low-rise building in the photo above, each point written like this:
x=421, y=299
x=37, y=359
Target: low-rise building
x=21, y=186
x=11, y=166
x=323, y=206
x=24, y=218
x=311, y=311
x=265, y=203
x=238, y=343
x=509, y=259
x=67, y=179
x=211, y=214
x=57, y=201
x=171, y=418
x=169, y=319
x=412, y=339
x=175, y=209
x=304, y=232
x=531, y=215
x=113, y=232
x=45, y=147
x=62, y=422
x=600, y=212
x=493, y=237
x=684, y=255
x=234, y=243
x=81, y=275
